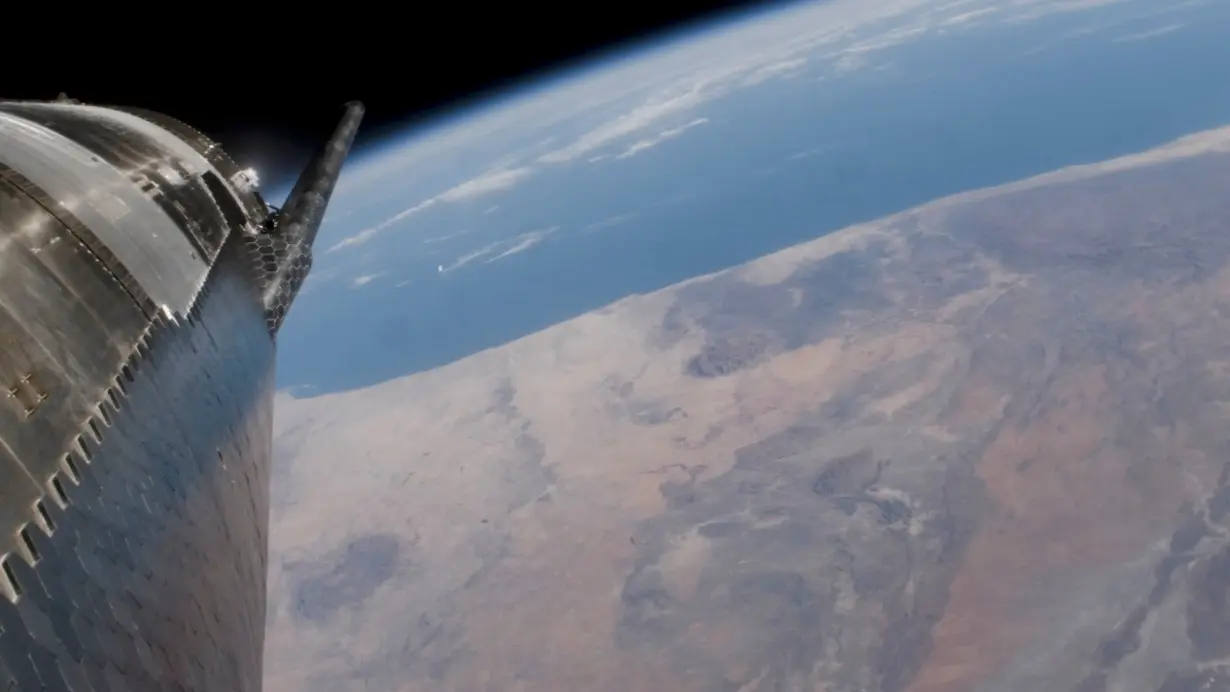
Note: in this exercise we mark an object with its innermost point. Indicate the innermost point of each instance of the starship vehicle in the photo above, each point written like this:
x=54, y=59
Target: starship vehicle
x=143, y=280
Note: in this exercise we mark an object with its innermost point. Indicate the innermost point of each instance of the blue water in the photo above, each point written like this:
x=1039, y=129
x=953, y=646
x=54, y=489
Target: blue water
x=943, y=116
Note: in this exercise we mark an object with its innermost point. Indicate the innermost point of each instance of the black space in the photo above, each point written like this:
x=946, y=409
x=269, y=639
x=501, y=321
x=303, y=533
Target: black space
x=268, y=101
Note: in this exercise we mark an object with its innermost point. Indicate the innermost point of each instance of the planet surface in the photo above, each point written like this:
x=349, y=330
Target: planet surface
x=847, y=346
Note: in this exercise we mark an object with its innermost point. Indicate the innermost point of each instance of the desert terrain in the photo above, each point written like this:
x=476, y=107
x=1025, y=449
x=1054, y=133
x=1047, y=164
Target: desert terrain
x=979, y=445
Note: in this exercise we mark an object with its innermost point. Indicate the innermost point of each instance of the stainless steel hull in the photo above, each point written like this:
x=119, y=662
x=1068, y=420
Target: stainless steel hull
x=153, y=575
x=139, y=304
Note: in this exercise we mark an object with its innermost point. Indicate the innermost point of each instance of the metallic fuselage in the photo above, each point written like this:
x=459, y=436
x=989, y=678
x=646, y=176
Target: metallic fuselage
x=141, y=286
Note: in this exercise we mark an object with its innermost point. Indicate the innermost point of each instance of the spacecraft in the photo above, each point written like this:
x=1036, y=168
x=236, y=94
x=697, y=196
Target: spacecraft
x=143, y=280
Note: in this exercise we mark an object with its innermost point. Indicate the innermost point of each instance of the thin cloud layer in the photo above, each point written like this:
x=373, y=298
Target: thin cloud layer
x=359, y=281
x=613, y=111
x=485, y=184
x=501, y=248
x=650, y=142
x=1146, y=35
x=522, y=243
x=492, y=181
x=633, y=122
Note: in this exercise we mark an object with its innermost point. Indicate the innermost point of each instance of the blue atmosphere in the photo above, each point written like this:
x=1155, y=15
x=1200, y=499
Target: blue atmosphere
x=521, y=213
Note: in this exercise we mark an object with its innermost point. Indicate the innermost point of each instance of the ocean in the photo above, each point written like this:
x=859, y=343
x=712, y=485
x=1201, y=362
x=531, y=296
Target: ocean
x=774, y=165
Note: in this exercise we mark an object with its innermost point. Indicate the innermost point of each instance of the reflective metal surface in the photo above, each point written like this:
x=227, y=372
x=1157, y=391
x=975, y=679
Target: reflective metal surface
x=136, y=378
x=252, y=204
x=284, y=253
x=125, y=219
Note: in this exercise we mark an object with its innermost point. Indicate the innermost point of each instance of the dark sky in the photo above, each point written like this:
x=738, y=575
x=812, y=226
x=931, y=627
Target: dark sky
x=268, y=102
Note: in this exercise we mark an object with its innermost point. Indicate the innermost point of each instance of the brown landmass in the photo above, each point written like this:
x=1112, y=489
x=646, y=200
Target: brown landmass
x=981, y=445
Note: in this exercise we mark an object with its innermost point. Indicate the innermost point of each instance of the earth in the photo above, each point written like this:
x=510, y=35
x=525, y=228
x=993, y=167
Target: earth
x=845, y=346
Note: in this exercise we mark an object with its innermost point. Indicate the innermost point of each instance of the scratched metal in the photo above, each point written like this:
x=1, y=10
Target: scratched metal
x=153, y=574
x=83, y=234
x=253, y=205
x=170, y=171
x=136, y=382
x=53, y=372
x=145, y=239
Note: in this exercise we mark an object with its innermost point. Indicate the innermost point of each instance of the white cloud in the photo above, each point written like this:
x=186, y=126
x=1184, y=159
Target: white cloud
x=650, y=142
x=782, y=68
x=671, y=84
x=368, y=233
x=570, y=117
x=356, y=239
x=470, y=257
x=522, y=243
x=968, y=17
x=365, y=279
x=492, y=181
x=504, y=248
x=630, y=123
x=850, y=62
x=1145, y=35
x=446, y=236
x=595, y=113
x=808, y=153
x=1032, y=10
x=609, y=222
x=485, y=184
x=1143, y=12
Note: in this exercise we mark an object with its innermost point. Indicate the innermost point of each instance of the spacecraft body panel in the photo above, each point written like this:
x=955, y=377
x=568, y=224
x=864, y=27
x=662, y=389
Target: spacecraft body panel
x=136, y=381
x=115, y=198
x=253, y=205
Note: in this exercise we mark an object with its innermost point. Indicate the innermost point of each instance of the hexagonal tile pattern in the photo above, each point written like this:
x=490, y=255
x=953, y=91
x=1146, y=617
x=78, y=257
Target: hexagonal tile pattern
x=280, y=268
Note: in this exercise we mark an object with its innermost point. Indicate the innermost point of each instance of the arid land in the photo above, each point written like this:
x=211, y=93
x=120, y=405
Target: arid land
x=980, y=445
